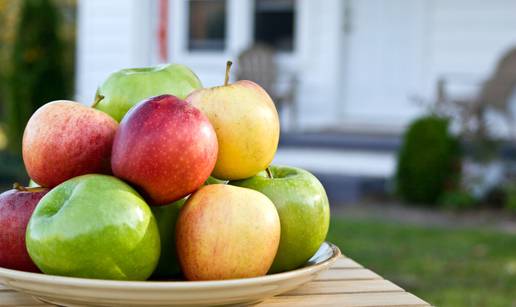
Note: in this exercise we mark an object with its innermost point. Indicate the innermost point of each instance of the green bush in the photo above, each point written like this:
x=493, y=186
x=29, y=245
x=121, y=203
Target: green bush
x=510, y=196
x=428, y=161
x=36, y=71
x=458, y=199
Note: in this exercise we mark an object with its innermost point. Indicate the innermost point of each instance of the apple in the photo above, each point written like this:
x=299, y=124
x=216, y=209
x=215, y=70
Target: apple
x=64, y=139
x=303, y=210
x=125, y=88
x=166, y=216
x=16, y=207
x=247, y=126
x=213, y=180
x=165, y=147
x=94, y=226
x=226, y=232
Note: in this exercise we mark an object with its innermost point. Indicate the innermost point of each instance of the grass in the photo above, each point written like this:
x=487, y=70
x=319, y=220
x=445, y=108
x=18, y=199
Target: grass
x=445, y=267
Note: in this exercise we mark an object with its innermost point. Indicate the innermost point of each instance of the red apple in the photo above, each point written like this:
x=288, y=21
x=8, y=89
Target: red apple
x=166, y=147
x=16, y=207
x=65, y=139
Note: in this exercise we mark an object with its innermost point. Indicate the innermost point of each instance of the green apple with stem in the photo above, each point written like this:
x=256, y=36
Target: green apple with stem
x=303, y=209
x=94, y=226
x=126, y=87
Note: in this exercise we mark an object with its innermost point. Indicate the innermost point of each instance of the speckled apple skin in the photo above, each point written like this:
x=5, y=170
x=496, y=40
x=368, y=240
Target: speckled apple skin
x=247, y=126
x=165, y=147
x=226, y=232
x=16, y=208
x=65, y=139
x=303, y=209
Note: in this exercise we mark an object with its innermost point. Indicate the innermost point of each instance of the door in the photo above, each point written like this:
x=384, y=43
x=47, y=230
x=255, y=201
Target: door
x=384, y=49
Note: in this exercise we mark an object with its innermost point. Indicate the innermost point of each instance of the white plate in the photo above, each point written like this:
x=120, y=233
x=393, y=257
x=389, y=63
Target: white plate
x=69, y=291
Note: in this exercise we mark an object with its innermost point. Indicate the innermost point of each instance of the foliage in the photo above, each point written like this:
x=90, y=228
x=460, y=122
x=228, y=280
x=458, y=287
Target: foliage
x=36, y=72
x=428, y=161
x=510, y=196
x=458, y=199
x=444, y=266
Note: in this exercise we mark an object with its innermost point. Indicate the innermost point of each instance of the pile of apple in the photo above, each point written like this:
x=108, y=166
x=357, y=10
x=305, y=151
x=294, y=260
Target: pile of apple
x=160, y=177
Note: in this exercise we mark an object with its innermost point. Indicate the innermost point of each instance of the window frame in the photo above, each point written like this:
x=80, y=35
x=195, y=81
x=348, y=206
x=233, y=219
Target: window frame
x=238, y=12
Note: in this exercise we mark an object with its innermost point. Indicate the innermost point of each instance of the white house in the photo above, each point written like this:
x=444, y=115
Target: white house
x=361, y=64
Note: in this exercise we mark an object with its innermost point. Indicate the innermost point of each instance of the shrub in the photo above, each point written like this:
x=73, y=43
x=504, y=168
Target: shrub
x=428, y=161
x=510, y=196
x=457, y=199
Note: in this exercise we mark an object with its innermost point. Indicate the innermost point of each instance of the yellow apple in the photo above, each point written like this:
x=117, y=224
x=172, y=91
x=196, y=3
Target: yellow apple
x=226, y=232
x=246, y=123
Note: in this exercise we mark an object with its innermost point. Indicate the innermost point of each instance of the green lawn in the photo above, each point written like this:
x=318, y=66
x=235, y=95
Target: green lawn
x=446, y=267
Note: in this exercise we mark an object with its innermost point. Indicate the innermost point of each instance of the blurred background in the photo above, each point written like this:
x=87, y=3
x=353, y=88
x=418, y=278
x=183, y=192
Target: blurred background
x=405, y=109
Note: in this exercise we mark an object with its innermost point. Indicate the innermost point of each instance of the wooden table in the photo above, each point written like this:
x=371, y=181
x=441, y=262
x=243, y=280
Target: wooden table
x=347, y=283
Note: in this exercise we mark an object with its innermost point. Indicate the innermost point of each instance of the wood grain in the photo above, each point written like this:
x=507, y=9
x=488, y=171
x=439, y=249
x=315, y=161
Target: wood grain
x=346, y=286
x=349, y=300
x=349, y=274
x=345, y=263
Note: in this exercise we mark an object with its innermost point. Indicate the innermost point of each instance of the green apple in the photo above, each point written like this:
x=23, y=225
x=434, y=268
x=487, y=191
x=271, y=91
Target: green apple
x=94, y=226
x=166, y=216
x=213, y=180
x=126, y=87
x=303, y=209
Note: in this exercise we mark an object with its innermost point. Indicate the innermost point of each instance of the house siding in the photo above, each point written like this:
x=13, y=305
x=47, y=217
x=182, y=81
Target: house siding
x=448, y=38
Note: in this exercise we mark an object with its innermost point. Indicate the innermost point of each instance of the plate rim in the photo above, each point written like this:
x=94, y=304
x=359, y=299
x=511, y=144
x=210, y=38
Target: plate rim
x=161, y=285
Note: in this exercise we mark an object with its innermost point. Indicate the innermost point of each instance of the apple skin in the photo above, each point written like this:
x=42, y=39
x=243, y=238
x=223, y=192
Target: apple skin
x=226, y=232
x=165, y=147
x=303, y=209
x=64, y=139
x=166, y=216
x=94, y=226
x=247, y=126
x=125, y=88
x=16, y=208
x=213, y=180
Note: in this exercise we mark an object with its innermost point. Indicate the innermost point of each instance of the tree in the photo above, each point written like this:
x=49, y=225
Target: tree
x=36, y=73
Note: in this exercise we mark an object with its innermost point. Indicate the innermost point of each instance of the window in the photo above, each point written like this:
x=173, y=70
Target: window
x=207, y=25
x=274, y=23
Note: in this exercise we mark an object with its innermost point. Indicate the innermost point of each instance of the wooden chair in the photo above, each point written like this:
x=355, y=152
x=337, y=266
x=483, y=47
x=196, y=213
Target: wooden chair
x=258, y=64
x=495, y=94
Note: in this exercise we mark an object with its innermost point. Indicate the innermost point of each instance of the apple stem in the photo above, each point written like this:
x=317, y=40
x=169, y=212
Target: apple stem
x=98, y=98
x=21, y=188
x=228, y=68
x=269, y=174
